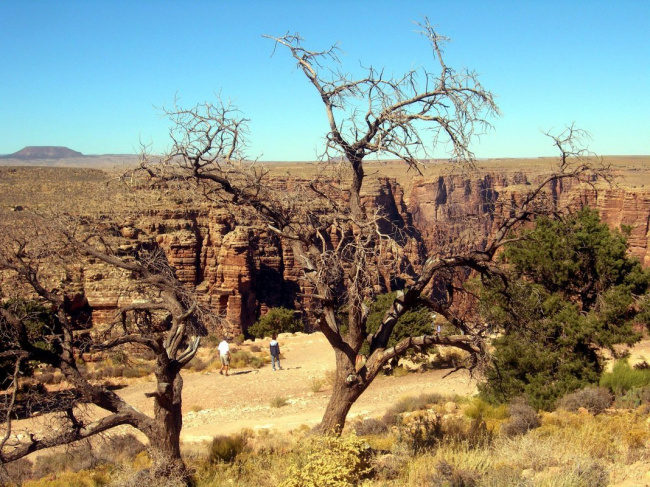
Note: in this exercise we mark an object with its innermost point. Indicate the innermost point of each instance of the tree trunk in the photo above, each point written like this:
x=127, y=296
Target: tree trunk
x=165, y=439
x=347, y=388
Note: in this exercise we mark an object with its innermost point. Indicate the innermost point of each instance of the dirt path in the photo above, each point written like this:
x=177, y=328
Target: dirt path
x=216, y=404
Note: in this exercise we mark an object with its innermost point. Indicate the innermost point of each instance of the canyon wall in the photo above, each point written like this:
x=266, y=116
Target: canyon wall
x=240, y=272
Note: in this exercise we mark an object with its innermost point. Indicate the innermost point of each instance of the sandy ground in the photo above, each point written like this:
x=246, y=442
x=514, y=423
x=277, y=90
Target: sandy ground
x=214, y=404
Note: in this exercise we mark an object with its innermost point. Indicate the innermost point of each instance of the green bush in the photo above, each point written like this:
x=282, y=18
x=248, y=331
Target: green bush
x=226, y=448
x=330, y=461
x=415, y=322
x=276, y=321
x=624, y=378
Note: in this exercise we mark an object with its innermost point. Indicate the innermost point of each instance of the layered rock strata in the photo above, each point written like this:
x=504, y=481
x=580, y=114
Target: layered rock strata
x=241, y=272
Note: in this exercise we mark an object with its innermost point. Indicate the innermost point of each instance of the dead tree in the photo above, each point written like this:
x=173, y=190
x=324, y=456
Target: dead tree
x=340, y=242
x=164, y=318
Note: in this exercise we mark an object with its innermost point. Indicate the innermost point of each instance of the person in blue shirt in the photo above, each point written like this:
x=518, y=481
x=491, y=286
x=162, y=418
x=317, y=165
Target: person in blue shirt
x=275, y=351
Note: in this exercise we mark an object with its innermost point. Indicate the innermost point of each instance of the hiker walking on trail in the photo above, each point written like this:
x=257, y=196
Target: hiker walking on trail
x=275, y=351
x=224, y=356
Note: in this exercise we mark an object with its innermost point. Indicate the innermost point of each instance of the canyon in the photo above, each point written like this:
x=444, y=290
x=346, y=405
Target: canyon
x=240, y=271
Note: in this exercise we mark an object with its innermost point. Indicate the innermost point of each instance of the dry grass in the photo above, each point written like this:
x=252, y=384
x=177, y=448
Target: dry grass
x=568, y=449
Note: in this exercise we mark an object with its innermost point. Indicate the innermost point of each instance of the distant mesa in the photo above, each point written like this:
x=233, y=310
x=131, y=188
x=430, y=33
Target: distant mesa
x=43, y=152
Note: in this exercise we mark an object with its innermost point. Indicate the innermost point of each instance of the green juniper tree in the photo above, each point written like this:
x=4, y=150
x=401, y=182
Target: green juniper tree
x=572, y=290
x=276, y=321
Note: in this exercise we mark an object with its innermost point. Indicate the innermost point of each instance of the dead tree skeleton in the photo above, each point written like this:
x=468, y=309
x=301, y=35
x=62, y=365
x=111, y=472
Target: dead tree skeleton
x=339, y=241
x=171, y=332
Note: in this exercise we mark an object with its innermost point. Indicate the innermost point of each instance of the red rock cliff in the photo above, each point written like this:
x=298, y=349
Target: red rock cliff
x=240, y=272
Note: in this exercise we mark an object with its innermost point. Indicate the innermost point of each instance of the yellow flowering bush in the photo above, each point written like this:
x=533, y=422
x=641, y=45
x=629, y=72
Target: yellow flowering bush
x=330, y=461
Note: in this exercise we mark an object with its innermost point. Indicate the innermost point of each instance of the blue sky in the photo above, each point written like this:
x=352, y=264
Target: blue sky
x=89, y=74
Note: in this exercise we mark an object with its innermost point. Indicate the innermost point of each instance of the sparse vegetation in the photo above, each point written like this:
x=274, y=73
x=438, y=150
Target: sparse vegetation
x=241, y=359
x=315, y=384
x=475, y=444
x=279, y=401
x=226, y=448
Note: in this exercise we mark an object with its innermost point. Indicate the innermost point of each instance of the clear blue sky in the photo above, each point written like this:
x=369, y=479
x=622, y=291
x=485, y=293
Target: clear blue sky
x=89, y=74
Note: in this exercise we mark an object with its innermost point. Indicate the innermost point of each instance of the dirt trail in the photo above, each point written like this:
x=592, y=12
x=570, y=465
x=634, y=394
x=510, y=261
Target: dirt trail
x=215, y=404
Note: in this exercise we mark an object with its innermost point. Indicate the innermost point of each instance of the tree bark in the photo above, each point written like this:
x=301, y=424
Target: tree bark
x=347, y=387
x=164, y=440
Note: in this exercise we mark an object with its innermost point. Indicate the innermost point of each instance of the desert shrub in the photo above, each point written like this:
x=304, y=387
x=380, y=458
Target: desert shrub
x=212, y=340
x=79, y=457
x=115, y=372
x=593, y=399
x=119, y=357
x=634, y=398
x=241, y=358
x=239, y=339
x=415, y=403
x=523, y=418
x=369, y=427
x=623, y=378
x=409, y=404
x=399, y=371
x=226, y=448
x=480, y=409
x=48, y=378
x=82, y=478
x=330, y=377
x=315, y=384
x=135, y=372
x=447, y=474
x=426, y=433
x=330, y=461
x=388, y=467
x=278, y=402
x=256, y=349
x=450, y=359
x=197, y=364
x=82, y=457
x=421, y=435
x=16, y=473
x=391, y=418
x=122, y=447
x=276, y=321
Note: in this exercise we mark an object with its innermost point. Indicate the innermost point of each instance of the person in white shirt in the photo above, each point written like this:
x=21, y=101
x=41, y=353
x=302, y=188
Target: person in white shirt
x=224, y=356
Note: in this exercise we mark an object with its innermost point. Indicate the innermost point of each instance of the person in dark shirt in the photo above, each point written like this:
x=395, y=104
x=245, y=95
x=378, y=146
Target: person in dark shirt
x=275, y=351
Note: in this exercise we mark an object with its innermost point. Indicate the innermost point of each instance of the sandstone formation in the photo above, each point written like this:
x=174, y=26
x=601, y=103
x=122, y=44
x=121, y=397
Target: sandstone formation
x=241, y=272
